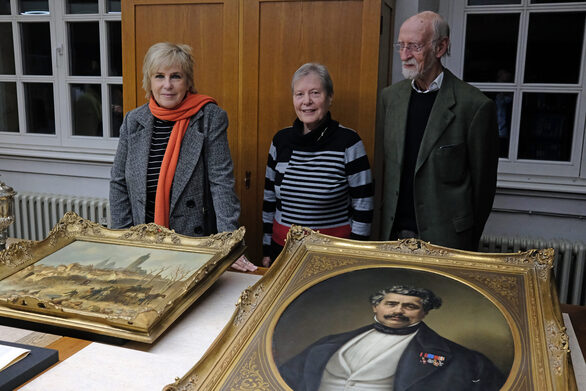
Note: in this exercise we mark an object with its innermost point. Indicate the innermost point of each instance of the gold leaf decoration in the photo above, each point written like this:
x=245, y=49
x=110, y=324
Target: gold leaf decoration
x=249, y=377
x=247, y=303
x=541, y=259
x=17, y=254
x=413, y=246
x=221, y=239
x=296, y=233
x=321, y=264
x=505, y=286
x=189, y=385
x=294, y=238
x=70, y=225
x=151, y=232
x=557, y=344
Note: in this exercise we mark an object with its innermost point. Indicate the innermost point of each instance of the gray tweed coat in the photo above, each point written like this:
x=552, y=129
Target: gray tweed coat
x=128, y=174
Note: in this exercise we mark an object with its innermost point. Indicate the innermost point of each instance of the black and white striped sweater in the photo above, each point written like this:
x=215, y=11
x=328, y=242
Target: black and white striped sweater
x=318, y=180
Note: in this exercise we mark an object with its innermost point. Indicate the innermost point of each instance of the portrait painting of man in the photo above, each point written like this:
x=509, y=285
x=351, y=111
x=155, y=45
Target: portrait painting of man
x=395, y=349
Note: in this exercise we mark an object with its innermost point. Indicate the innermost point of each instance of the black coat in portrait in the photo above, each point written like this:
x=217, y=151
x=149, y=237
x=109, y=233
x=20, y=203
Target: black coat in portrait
x=461, y=369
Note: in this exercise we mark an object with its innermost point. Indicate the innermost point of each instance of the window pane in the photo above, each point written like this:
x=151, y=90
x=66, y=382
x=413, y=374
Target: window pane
x=4, y=7
x=40, y=108
x=86, y=103
x=7, y=49
x=116, y=113
x=493, y=2
x=504, y=111
x=115, y=48
x=36, y=48
x=8, y=108
x=84, y=52
x=113, y=5
x=564, y=33
x=82, y=6
x=34, y=6
x=481, y=64
x=547, y=125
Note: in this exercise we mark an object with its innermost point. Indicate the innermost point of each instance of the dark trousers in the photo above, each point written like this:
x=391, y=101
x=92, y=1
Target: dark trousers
x=275, y=251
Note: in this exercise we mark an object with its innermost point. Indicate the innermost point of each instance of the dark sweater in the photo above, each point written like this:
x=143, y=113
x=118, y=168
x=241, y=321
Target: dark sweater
x=420, y=106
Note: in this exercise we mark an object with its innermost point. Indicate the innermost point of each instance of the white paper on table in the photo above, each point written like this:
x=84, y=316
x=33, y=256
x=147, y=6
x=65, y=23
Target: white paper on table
x=10, y=355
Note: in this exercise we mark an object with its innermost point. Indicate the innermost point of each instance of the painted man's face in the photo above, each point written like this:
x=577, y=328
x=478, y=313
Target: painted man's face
x=396, y=310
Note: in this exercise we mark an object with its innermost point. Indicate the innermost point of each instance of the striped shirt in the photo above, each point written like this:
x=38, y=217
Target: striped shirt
x=320, y=180
x=159, y=140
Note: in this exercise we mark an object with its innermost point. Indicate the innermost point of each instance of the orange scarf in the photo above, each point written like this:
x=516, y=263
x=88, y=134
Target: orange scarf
x=181, y=115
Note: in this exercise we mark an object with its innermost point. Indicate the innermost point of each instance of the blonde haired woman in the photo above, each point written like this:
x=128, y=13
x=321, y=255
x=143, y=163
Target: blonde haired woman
x=171, y=151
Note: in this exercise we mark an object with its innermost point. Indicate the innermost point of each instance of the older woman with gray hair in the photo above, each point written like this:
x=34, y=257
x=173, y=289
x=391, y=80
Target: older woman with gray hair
x=317, y=174
x=173, y=164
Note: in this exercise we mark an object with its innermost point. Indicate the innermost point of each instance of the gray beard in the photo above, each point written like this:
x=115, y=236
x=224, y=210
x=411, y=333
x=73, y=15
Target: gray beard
x=410, y=74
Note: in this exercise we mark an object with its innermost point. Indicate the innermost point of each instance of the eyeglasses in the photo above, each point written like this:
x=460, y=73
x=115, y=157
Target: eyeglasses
x=410, y=47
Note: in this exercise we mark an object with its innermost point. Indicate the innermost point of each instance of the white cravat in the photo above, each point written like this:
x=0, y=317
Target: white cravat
x=366, y=362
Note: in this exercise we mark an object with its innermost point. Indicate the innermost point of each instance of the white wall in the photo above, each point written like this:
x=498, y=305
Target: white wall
x=79, y=178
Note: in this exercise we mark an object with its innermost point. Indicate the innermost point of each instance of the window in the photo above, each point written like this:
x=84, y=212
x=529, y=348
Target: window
x=528, y=56
x=60, y=75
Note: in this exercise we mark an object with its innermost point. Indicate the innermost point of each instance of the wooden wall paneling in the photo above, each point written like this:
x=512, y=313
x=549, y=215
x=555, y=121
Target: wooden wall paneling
x=384, y=79
x=371, y=28
x=247, y=154
x=128, y=56
x=278, y=37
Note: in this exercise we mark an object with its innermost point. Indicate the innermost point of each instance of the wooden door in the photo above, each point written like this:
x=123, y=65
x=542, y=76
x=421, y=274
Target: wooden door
x=278, y=37
x=384, y=79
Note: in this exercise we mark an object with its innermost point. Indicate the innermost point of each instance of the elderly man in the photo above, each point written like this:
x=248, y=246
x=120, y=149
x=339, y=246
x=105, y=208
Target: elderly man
x=440, y=145
x=397, y=352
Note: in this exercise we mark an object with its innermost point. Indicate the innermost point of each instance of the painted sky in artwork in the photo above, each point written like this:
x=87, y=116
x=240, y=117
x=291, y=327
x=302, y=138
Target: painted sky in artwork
x=91, y=253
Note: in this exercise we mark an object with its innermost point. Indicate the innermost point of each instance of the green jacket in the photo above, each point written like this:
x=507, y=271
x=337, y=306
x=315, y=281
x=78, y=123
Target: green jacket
x=456, y=169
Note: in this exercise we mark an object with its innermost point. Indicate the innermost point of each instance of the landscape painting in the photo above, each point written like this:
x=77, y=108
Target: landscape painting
x=102, y=278
x=131, y=283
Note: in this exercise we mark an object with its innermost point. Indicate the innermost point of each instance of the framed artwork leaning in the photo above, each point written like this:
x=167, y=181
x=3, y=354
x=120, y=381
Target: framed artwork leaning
x=403, y=315
x=129, y=283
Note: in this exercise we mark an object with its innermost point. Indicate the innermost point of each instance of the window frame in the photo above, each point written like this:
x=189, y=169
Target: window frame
x=62, y=144
x=518, y=173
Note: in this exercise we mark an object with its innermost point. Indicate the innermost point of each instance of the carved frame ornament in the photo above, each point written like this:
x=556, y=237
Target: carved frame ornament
x=502, y=305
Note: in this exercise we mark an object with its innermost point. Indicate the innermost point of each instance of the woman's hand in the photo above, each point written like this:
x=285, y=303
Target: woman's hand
x=266, y=261
x=244, y=265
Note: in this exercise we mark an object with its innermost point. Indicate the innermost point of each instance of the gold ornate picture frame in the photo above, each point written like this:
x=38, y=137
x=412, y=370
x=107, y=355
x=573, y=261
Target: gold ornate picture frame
x=503, y=306
x=129, y=283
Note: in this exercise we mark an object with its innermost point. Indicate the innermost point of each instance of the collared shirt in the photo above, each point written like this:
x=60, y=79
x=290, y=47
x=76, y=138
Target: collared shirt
x=434, y=86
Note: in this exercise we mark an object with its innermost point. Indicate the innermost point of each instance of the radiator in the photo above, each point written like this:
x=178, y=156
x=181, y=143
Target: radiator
x=35, y=214
x=569, y=262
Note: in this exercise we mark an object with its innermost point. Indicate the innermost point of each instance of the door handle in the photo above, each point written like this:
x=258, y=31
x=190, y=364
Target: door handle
x=247, y=175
